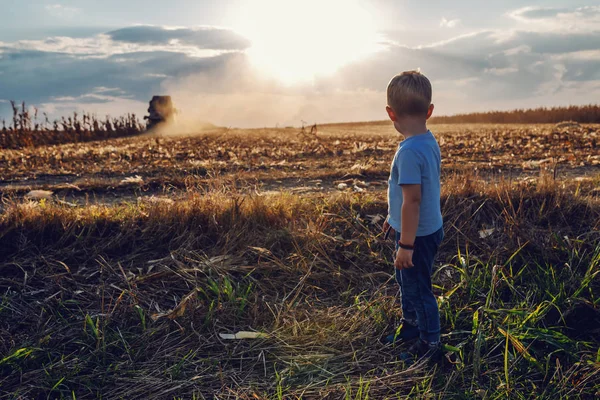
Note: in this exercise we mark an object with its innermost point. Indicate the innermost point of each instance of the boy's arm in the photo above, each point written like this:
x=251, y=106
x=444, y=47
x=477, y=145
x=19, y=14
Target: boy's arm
x=387, y=230
x=411, y=207
x=409, y=178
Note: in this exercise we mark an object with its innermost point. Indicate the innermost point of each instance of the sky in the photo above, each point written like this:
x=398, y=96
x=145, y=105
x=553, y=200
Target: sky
x=253, y=63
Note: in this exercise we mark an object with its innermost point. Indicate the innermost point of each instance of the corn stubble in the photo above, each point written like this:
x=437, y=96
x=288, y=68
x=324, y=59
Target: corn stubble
x=225, y=293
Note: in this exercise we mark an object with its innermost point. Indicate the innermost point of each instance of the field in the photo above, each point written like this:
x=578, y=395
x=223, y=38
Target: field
x=125, y=263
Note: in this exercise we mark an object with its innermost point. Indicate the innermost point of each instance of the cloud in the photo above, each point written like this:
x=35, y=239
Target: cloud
x=98, y=95
x=84, y=99
x=103, y=89
x=452, y=23
x=72, y=71
x=541, y=60
x=201, y=37
x=60, y=11
x=557, y=43
x=501, y=71
x=100, y=107
x=579, y=19
x=102, y=46
x=531, y=13
x=43, y=77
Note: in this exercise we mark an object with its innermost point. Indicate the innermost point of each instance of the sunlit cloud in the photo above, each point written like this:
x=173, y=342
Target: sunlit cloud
x=213, y=75
x=580, y=19
x=449, y=23
x=203, y=37
x=102, y=46
x=61, y=11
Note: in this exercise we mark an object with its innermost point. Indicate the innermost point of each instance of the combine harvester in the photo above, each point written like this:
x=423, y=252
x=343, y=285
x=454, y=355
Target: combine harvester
x=161, y=112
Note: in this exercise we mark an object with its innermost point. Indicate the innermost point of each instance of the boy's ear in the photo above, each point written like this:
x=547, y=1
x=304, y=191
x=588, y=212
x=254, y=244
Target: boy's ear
x=430, y=111
x=391, y=113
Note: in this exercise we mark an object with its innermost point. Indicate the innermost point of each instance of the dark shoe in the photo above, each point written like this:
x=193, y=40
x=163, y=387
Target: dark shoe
x=405, y=332
x=422, y=351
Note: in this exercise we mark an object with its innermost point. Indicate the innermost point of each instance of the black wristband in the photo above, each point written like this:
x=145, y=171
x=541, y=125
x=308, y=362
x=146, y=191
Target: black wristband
x=405, y=246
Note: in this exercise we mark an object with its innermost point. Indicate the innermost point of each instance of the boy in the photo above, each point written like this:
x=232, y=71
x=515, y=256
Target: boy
x=414, y=213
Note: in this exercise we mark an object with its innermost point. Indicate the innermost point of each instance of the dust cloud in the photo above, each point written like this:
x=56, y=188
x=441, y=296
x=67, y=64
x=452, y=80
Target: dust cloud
x=242, y=97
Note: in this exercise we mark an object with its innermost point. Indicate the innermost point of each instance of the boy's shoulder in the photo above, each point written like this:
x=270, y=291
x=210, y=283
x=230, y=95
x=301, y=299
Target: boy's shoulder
x=414, y=145
x=422, y=142
x=418, y=149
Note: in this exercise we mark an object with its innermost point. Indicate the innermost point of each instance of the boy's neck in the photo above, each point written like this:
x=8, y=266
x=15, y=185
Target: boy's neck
x=413, y=128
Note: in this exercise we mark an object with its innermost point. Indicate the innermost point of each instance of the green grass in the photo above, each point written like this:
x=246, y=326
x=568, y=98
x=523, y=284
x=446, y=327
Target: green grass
x=128, y=301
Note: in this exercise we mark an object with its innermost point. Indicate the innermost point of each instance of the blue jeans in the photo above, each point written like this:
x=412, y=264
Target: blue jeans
x=418, y=301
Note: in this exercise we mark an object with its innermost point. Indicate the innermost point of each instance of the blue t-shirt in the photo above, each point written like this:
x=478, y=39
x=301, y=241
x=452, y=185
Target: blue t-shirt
x=417, y=161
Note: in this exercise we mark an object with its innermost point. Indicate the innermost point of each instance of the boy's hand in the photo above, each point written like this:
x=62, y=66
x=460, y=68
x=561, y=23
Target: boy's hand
x=404, y=259
x=388, y=230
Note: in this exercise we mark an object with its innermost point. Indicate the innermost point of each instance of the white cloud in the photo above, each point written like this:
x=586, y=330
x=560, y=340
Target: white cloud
x=202, y=37
x=452, y=23
x=200, y=42
x=522, y=49
x=102, y=46
x=102, y=106
x=580, y=19
x=91, y=98
x=60, y=11
x=456, y=40
x=501, y=71
x=103, y=89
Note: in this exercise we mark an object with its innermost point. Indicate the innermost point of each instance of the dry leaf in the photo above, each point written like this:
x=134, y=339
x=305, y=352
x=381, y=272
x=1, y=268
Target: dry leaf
x=486, y=233
x=261, y=250
x=243, y=335
x=374, y=219
x=133, y=179
x=156, y=200
x=177, y=311
x=39, y=194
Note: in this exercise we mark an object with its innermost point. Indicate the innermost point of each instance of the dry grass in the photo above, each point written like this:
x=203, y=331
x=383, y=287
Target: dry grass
x=128, y=301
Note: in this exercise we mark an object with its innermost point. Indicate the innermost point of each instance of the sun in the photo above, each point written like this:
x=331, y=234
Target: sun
x=298, y=40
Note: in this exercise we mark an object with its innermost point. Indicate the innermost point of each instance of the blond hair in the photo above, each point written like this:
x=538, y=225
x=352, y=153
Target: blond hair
x=409, y=93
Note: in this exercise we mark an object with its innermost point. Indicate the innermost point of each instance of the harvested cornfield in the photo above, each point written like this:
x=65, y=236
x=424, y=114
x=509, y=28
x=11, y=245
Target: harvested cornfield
x=130, y=267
